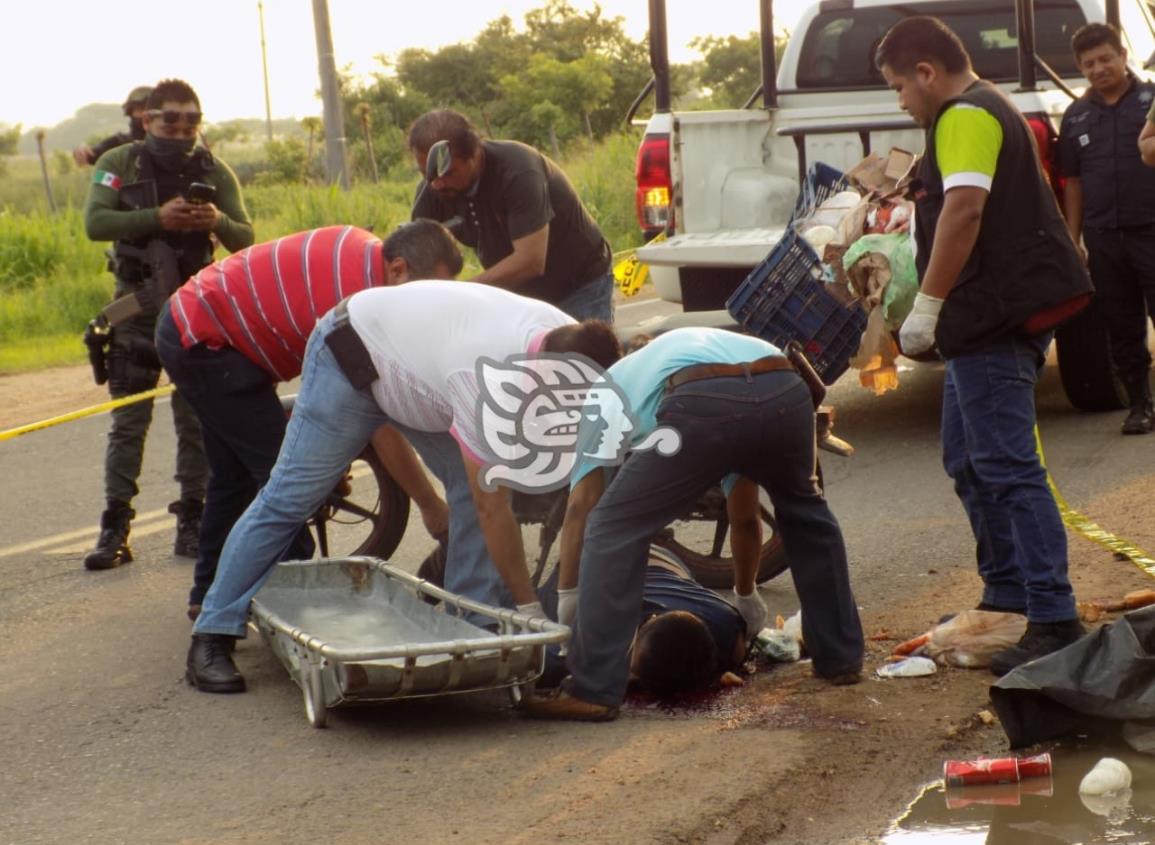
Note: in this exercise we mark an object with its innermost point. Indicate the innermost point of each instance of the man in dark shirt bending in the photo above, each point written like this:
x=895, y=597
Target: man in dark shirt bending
x=517, y=209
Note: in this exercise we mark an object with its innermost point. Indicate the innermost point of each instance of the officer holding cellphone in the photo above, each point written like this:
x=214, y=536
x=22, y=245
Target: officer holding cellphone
x=161, y=201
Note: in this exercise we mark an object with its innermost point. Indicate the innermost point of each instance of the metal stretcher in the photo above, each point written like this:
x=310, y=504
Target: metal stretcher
x=357, y=630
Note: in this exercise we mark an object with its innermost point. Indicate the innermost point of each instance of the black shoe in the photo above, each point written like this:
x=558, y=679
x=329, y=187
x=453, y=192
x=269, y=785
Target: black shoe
x=1140, y=420
x=188, y=526
x=210, y=664
x=112, y=547
x=1041, y=639
x=842, y=677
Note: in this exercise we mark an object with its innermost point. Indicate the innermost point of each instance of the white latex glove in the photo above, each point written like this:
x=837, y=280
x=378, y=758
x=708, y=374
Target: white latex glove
x=567, y=606
x=917, y=332
x=533, y=610
x=753, y=611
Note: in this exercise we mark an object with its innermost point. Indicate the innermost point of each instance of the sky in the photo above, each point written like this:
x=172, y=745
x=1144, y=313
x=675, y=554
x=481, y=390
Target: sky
x=70, y=57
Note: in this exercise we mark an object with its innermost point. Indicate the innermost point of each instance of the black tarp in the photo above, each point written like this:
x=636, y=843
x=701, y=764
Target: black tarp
x=1105, y=682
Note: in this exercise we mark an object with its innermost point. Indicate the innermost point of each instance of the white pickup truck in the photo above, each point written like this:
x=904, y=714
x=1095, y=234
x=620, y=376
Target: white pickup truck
x=722, y=184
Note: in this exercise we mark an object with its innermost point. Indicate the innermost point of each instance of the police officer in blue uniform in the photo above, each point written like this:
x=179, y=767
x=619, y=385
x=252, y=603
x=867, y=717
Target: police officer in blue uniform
x=1110, y=201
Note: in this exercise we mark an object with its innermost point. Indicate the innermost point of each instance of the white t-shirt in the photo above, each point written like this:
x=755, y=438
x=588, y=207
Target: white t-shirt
x=425, y=340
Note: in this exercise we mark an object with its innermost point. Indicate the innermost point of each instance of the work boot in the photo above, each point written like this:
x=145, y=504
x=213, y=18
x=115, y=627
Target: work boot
x=1041, y=639
x=1141, y=417
x=188, y=526
x=112, y=547
x=210, y=666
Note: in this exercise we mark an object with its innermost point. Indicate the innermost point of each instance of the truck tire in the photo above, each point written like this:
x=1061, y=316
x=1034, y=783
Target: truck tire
x=1088, y=376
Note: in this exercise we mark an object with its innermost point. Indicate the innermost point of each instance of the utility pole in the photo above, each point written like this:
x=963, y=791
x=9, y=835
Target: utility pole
x=330, y=98
x=265, y=70
x=44, y=171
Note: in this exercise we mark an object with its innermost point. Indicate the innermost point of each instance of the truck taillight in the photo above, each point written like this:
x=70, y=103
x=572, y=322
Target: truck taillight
x=652, y=172
x=1047, y=142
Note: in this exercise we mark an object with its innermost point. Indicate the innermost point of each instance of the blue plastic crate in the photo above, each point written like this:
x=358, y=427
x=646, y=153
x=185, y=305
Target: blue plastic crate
x=822, y=182
x=784, y=299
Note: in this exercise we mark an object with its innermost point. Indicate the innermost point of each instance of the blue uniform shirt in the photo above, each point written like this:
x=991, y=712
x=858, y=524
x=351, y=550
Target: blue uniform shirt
x=641, y=379
x=1099, y=145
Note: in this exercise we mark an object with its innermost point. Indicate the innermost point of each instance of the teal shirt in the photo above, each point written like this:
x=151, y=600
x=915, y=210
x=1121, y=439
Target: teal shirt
x=641, y=377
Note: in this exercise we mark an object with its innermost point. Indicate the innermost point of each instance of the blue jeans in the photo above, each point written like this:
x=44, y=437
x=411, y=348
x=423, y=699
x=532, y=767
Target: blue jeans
x=242, y=422
x=331, y=423
x=592, y=301
x=989, y=449
x=763, y=429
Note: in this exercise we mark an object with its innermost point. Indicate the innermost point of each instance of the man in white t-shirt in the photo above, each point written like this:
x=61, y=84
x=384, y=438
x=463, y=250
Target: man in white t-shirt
x=408, y=356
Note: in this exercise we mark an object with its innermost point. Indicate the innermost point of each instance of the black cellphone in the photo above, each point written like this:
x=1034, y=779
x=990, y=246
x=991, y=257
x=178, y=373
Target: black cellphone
x=200, y=193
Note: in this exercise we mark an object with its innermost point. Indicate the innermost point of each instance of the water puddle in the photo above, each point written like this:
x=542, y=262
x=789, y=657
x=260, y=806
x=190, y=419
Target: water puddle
x=1035, y=811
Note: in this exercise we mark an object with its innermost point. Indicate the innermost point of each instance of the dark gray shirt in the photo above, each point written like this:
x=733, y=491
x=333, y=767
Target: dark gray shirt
x=519, y=192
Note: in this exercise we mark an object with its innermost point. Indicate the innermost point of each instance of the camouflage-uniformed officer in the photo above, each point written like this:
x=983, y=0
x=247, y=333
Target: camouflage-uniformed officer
x=134, y=111
x=153, y=199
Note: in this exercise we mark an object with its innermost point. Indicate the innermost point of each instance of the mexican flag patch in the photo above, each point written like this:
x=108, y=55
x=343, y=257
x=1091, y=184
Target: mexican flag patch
x=109, y=180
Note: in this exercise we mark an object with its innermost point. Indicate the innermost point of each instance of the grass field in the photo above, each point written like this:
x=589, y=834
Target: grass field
x=53, y=280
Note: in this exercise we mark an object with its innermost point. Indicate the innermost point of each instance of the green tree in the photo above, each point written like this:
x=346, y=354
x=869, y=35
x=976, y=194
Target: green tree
x=9, y=140
x=551, y=100
x=731, y=67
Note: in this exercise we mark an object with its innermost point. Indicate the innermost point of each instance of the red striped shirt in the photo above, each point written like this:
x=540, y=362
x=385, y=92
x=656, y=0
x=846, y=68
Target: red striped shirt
x=264, y=301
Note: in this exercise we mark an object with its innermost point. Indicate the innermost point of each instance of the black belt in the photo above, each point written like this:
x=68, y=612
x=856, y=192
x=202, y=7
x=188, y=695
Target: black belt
x=349, y=350
x=753, y=368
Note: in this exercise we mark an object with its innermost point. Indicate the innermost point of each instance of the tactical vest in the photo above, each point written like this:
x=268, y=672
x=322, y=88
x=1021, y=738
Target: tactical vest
x=1024, y=261
x=154, y=186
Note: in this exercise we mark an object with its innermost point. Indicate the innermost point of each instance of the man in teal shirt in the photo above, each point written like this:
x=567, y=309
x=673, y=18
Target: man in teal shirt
x=731, y=407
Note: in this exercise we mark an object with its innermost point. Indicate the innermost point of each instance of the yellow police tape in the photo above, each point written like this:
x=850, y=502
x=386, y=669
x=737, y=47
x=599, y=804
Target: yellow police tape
x=1088, y=528
x=631, y=273
x=87, y=412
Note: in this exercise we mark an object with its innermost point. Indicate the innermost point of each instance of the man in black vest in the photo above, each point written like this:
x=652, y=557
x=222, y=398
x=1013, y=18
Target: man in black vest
x=998, y=272
x=143, y=198
x=1109, y=199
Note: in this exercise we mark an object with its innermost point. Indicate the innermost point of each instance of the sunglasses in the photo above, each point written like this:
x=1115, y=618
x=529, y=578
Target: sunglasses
x=172, y=118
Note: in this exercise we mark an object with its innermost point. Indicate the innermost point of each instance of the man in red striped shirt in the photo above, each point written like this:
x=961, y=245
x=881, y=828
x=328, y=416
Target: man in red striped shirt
x=239, y=326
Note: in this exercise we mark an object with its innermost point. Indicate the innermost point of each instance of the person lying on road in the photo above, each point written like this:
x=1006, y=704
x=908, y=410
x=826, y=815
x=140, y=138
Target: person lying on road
x=687, y=637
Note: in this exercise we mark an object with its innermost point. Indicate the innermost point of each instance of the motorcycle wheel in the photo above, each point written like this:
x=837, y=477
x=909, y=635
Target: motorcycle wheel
x=373, y=504
x=717, y=571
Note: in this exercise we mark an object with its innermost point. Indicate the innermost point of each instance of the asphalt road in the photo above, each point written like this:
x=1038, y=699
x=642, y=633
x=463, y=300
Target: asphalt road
x=101, y=741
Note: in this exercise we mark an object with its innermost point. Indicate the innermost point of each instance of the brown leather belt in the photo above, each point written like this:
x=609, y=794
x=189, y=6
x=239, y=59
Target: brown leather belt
x=753, y=368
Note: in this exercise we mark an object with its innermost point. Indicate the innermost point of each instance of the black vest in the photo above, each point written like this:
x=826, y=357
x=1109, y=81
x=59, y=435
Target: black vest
x=154, y=186
x=1023, y=261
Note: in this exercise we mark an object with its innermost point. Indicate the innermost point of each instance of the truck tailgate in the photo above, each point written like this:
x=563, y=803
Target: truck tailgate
x=730, y=248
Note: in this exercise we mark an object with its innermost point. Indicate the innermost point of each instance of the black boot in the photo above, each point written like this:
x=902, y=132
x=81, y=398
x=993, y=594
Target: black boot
x=1141, y=417
x=1041, y=639
x=112, y=547
x=210, y=666
x=188, y=527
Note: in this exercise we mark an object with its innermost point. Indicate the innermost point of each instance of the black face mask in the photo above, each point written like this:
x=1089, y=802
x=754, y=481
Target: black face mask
x=169, y=153
x=136, y=128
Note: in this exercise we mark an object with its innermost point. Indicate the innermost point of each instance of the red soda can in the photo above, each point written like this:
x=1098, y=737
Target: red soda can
x=986, y=771
x=1038, y=766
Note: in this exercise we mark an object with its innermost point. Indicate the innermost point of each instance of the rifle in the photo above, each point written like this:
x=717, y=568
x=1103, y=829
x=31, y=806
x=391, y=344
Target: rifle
x=161, y=271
